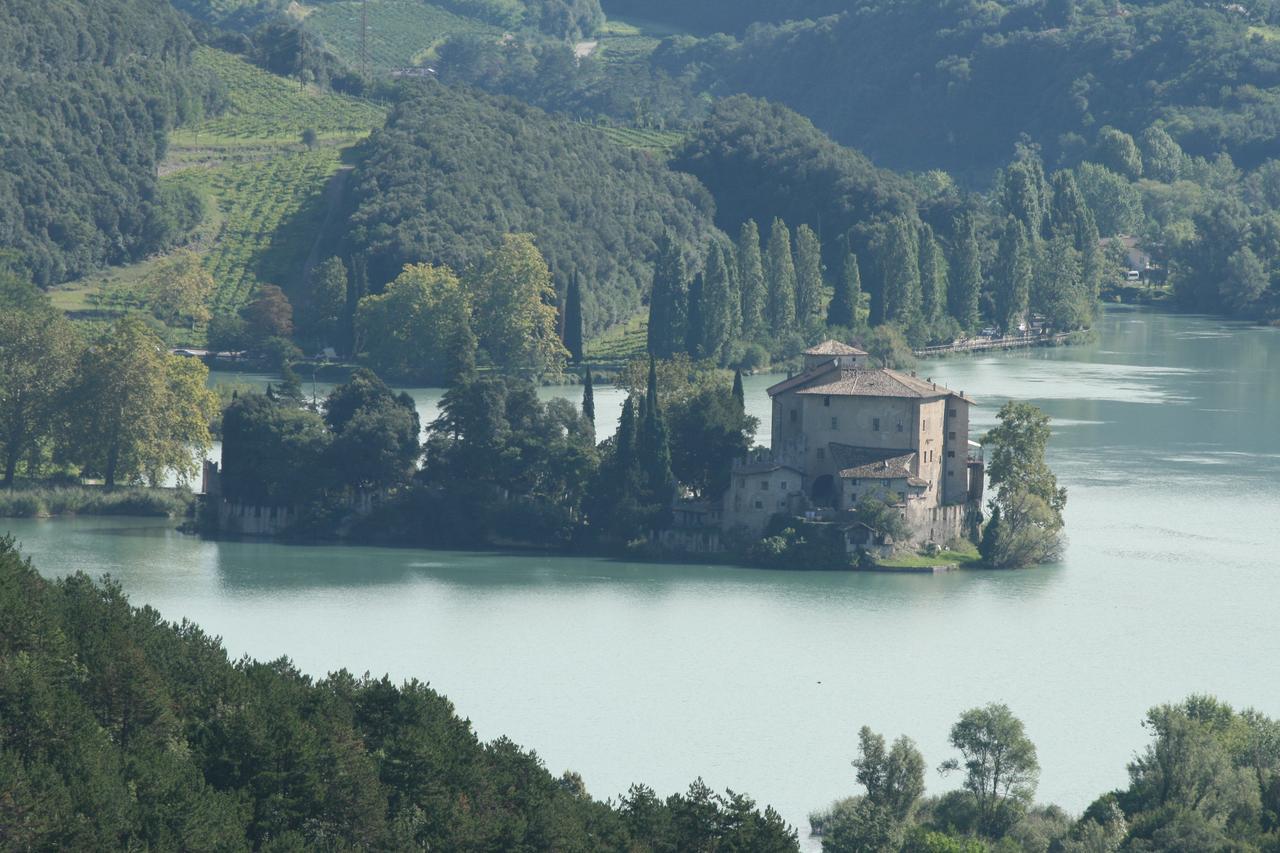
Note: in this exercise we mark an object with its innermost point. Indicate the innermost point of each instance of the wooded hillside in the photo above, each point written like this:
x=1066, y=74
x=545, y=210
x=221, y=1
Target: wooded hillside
x=88, y=91
x=454, y=170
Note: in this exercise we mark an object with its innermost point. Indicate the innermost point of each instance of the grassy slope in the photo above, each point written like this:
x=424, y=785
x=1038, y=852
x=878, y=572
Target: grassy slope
x=264, y=188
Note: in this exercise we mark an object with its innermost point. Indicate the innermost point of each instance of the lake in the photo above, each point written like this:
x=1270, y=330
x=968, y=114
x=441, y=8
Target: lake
x=1165, y=434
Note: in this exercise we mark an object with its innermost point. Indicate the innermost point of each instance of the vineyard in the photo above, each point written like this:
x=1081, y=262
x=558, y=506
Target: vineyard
x=265, y=191
x=401, y=32
x=659, y=142
x=266, y=109
x=620, y=345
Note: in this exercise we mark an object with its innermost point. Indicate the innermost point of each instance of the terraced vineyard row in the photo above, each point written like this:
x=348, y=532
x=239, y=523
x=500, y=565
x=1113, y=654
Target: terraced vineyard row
x=658, y=141
x=270, y=211
x=265, y=108
x=401, y=32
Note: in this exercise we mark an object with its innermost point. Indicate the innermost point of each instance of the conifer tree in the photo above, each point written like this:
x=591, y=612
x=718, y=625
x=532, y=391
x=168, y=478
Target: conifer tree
x=573, y=319
x=717, y=299
x=809, y=288
x=739, y=392
x=782, y=280
x=654, y=452
x=966, y=281
x=695, y=321
x=843, y=310
x=588, y=397
x=900, y=265
x=730, y=259
x=933, y=276
x=1012, y=276
x=752, y=281
x=624, y=448
x=668, y=302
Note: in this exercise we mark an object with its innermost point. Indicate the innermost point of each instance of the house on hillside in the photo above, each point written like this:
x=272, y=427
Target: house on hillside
x=845, y=429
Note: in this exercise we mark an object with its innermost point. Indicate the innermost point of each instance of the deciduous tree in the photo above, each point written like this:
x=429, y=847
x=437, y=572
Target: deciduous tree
x=515, y=315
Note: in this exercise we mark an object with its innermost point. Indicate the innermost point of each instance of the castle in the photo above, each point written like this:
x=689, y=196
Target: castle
x=844, y=430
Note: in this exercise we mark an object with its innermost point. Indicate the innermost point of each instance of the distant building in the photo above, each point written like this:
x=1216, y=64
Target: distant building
x=844, y=430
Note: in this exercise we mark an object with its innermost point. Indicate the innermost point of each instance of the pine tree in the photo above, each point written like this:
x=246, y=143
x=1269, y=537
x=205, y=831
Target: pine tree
x=573, y=319
x=752, y=281
x=717, y=299
x=588, y=397
x=809, y=288
x=695, y=325
x=739, y=392
x=734, y=303
x=843, y=310
x=933, y=276
x=1012, y=276
x=966, y=284
x=782, y=280
x=668, y=302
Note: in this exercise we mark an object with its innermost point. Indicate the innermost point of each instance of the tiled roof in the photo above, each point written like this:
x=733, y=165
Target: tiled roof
x=832, y=347
x=872, y=462
x=801, y=378
x=881, y=382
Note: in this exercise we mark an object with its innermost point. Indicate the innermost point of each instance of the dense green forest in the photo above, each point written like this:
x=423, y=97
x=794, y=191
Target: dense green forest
x=953, y=85
x=89, y=92
x=454, y=170
x=119, y=730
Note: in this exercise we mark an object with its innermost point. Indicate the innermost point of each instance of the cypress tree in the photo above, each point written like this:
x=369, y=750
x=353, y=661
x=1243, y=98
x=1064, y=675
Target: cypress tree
x=1012, y=276
x=966, y=284
x=751, y=280
x=843, y=310
x=588, y=397
x=900, y=265
x=573, y=319
x=654, y=452
x=717, y=299
x=782, y=280
x=739, y=393
x=734, y=302
x=625, y=445
x=809, y=289
x=695, y=323
x=668, y=302
x=933, y=276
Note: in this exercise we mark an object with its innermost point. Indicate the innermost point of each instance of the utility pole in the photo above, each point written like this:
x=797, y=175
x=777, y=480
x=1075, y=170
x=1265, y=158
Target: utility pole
x=364, y=39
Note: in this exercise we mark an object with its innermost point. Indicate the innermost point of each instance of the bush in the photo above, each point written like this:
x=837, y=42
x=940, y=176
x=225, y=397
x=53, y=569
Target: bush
x=46, y=502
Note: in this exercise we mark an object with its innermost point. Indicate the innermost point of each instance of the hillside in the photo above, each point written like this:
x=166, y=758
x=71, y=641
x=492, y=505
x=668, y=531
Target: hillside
x=454, y=170
x=89, y=91
x=953, y=85
x=125, y=731
x=265, y=190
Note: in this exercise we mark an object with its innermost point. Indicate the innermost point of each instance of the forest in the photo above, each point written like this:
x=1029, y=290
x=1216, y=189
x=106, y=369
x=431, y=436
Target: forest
x=89, y=93
x=119, y=730
x=425, y=192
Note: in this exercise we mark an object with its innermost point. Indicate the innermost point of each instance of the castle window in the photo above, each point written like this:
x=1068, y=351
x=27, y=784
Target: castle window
x=835, y=423
x=826, y=401
x=951, y=413
x=764, y=485
x=795, y=415
x=854, y=481
x=875, y=424
x=759, y=504
x=822, y=453
x=951, y=454
x=951, y=436
x=926, y=424
x=884, y=483
x=902, y=497
x=899, y=427
x=783, y=485
x=950, y=473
